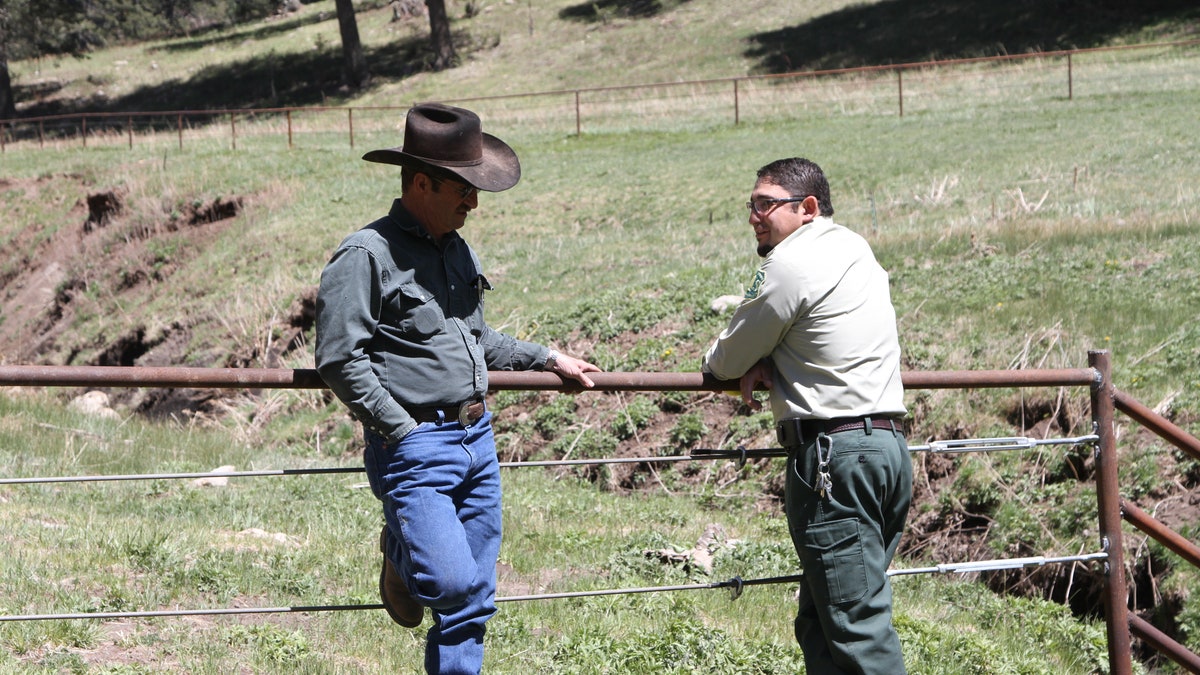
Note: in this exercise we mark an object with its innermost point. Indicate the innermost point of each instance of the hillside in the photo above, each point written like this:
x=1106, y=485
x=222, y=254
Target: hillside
x=513, y=47
x=1020, y=228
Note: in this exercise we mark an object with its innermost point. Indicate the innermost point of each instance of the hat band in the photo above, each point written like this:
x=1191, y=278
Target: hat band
x=437, y=161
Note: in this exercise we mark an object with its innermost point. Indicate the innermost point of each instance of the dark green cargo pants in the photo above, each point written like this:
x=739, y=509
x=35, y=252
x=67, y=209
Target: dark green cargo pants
x=846, y=542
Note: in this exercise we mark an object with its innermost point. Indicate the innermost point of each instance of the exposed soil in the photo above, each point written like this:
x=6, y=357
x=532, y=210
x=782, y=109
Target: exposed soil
x=101, y=257
x=46, y=281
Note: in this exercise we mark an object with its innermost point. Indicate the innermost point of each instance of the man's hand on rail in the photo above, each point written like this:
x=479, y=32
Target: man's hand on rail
x=576, y=369
x=760, y=373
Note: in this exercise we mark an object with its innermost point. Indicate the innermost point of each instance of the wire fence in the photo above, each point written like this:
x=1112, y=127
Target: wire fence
x=1097, y=378
x=735, y=585
x=926, y=88
x=699, y=454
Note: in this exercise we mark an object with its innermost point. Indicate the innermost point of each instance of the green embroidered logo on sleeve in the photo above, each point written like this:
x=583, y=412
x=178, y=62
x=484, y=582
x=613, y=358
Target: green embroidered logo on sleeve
x=755, y=286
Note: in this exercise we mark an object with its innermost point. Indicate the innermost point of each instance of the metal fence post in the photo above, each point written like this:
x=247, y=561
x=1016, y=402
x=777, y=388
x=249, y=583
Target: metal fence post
x=737, y=112
x=1108, y=498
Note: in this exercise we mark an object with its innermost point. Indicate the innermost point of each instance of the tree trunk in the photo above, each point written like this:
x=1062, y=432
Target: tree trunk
x=439, y=33
x=354, y=68
x=8, y=107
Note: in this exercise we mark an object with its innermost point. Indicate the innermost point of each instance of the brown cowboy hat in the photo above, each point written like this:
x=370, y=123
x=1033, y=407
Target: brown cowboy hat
x=451, y=140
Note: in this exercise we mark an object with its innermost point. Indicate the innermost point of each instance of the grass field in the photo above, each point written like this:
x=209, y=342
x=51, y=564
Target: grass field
x=1020, y=227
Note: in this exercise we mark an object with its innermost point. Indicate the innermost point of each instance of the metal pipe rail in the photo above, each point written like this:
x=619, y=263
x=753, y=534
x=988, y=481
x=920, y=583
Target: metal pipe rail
x=1160, y=425
x=1160, y=533
x=302, y=378
x=1164, y=644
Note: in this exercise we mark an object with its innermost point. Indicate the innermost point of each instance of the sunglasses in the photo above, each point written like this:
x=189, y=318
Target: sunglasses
x=463, y=191
x=764, y=205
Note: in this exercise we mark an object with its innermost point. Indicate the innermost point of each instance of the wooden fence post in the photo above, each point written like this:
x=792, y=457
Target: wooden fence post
x=1070, y=79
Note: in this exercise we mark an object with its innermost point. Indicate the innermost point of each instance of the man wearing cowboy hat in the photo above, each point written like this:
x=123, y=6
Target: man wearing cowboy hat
x=401, y=340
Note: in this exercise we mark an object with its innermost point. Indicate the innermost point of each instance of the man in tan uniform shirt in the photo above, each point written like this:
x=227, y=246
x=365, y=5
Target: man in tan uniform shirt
x=818, y=329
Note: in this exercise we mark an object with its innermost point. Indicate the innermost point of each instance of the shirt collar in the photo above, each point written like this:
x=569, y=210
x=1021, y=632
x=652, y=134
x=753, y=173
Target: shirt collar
x=407, y=223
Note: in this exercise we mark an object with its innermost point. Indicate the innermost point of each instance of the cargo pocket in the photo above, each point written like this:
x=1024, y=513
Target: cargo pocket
x=833, y=554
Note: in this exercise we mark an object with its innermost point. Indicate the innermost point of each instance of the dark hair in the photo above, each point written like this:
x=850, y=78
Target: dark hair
x=801, y=178
x=407, y=173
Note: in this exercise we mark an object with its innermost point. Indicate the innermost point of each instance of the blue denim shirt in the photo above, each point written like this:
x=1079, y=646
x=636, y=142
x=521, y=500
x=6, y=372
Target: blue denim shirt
x=400, y=322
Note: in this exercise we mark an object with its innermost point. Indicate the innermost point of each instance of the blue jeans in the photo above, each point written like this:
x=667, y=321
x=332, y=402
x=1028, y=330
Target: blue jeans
x=440, y=489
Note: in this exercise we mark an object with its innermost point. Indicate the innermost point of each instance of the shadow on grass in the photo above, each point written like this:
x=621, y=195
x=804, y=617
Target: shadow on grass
x=604, y=10
x=268, y=80
x=907, y=31
x=218, y=35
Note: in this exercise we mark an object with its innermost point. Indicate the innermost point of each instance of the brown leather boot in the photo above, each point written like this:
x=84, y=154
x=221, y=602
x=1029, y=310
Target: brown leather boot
x=398, y=602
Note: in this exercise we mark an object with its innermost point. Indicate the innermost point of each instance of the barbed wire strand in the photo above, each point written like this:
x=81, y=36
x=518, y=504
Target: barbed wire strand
x=700, y=454
x=735, y=584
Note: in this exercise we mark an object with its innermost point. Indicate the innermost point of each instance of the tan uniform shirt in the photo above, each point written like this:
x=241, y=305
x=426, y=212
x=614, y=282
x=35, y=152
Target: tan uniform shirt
x=821, y=308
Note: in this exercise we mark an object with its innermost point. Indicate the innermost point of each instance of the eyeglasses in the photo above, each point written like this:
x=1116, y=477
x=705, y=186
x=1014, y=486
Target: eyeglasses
x=465, y=191
x=761, y=206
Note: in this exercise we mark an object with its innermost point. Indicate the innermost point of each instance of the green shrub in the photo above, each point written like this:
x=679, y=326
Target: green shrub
x=689, y=429
x=555, y=416
x=634, y=416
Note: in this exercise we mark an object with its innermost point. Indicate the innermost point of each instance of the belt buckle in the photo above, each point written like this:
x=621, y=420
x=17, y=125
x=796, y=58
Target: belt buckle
x=464, y=413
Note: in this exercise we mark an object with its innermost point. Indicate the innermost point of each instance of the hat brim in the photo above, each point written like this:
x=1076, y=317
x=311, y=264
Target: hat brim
x=498, y=170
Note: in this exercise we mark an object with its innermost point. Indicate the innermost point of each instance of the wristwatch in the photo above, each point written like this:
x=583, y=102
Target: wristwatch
x=551, y=360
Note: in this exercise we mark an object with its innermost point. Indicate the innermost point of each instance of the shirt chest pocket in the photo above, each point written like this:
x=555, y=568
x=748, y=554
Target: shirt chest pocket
x=415, y=312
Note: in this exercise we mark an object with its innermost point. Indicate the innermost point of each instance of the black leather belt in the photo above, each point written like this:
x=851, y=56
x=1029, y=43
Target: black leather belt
x=796, y=431
x=465, y=413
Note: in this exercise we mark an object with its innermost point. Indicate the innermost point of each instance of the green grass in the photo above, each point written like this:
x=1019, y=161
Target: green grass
x=130, y=546
x=1020, y=228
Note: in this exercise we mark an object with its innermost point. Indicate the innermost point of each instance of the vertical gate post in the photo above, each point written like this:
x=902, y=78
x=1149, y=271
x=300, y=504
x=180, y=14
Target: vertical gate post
x=737, y=110
x=1108, y=497
x=578, y=120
